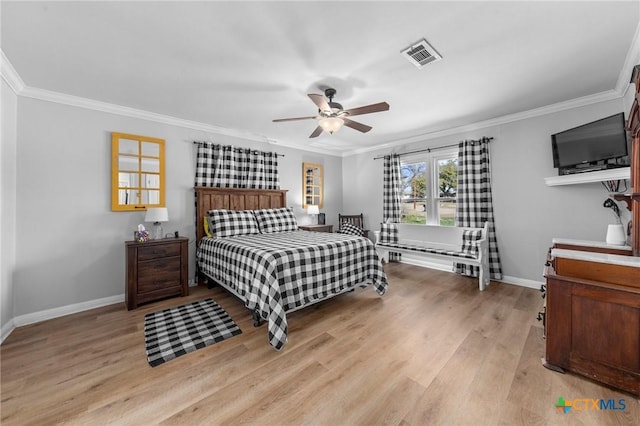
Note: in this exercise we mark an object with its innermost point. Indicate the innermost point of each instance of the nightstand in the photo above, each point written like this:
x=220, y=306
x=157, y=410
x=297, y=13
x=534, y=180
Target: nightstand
x=156, y=269
x=316, y=228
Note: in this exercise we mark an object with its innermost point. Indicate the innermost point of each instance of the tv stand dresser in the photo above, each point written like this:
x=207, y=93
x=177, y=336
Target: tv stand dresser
x=592, y=322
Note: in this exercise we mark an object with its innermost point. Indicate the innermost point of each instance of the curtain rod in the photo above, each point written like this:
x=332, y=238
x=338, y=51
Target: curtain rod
x=235, y=147
x=432, y=149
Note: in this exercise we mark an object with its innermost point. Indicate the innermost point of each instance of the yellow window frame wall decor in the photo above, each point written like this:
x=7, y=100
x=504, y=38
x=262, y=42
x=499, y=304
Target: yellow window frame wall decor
x=137, y=172
x=312, y=185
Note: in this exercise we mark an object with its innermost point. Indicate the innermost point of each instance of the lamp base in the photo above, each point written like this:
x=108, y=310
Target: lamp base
x=157, y=231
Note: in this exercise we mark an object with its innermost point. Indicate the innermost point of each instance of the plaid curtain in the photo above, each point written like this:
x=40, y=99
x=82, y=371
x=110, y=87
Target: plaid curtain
x=474, y=204
x=391, y=189
x=391, y=194
x=229, y=167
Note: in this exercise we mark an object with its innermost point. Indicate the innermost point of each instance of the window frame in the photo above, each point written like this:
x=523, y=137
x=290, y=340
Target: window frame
x=139, y=171
x=312, y=185
x=432, y=199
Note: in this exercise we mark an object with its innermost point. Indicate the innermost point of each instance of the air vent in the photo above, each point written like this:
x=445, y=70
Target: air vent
x=421, y=53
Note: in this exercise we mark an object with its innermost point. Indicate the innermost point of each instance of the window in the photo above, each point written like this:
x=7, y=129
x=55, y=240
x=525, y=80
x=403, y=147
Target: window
x=429, y=188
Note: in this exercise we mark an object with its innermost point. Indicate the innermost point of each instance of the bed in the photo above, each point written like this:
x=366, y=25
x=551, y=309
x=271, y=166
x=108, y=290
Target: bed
x=260, y=256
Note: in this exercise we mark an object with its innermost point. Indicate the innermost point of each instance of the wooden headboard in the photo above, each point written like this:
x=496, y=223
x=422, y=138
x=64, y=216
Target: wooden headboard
x=234, y=199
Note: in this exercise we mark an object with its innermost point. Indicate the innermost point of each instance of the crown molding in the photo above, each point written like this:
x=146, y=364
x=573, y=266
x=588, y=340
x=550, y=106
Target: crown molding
x=549, y=109
x=10, y=75
x=16, y=83
x=307, y=148
x=80, y=102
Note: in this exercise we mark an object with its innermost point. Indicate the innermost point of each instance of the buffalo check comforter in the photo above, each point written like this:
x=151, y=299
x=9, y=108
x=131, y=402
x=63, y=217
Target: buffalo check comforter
x=279, y=272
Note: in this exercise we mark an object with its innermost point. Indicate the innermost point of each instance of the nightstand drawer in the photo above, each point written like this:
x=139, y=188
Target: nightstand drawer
x=156, y=251
x=157, y=274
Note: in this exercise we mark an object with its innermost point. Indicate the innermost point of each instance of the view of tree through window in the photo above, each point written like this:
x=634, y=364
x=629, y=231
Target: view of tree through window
x=429, y=189
x=448, y=189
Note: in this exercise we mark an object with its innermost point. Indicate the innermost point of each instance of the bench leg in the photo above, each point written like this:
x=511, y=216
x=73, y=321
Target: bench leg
x=481, y=282
x=483, y=275
x=384, y=255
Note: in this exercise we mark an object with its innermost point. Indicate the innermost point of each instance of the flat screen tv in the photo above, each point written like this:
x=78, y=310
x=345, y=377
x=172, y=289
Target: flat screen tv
x=592, y=145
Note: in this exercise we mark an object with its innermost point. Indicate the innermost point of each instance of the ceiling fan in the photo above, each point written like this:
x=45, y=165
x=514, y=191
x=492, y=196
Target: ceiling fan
x=332, y=116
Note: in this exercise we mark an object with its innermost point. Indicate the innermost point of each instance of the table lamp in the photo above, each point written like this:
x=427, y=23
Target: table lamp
x=157, y=215
x=313, y=210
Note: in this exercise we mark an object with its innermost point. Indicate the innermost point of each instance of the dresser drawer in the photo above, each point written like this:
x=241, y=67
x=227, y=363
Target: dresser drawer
x=156, y=251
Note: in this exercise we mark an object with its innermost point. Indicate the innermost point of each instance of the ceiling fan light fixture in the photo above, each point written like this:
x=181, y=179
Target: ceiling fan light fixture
x=332, y=116
x=331, y=124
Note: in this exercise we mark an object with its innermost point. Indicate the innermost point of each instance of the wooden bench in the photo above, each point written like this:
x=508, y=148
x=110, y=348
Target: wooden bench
x=441, y=242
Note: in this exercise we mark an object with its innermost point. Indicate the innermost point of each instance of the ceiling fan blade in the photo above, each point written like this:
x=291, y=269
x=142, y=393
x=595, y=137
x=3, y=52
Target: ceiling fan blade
x=316, y=132
x=277, y=120
x=320, y=101
x=357, y=126
x=368, y=109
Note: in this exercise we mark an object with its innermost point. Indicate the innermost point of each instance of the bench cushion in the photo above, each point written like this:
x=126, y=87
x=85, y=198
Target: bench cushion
x=422, y=249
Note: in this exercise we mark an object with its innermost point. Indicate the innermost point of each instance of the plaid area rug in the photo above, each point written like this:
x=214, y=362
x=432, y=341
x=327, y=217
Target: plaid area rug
x=173, y=332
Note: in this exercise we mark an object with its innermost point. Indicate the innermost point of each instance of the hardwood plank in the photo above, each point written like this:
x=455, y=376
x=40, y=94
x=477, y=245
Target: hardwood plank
x=393, y=403
x=433, y=350
x=491, y=383
x=445, y=393
x=254, y=385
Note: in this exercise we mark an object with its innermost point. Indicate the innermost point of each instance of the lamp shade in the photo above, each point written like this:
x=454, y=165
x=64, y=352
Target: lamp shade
x=331, y=124
x=313, y=209
x=157, y=214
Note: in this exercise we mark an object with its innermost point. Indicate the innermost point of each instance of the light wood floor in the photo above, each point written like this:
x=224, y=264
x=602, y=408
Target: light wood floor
x=433, y=350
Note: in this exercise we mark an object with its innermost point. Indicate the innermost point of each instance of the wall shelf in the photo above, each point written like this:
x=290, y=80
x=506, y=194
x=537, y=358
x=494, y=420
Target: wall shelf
x=620, y=173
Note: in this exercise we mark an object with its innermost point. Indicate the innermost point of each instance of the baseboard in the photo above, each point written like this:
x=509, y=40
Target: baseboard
x=66, y=310
x=522, y=282
x=7, y=329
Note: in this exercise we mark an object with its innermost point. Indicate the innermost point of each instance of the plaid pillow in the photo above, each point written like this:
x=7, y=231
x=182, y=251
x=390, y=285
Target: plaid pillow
x=276, y=220
x=470, y=239
x=227, y=223
x=388, y=233
x=347, y=228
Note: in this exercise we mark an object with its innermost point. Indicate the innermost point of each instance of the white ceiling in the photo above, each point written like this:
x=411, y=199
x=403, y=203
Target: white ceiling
x=238, y=65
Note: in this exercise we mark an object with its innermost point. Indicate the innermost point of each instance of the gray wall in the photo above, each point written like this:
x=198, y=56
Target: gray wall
x=62, y=245
x=528, y=213
x=70, y=248
x=8, y=143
